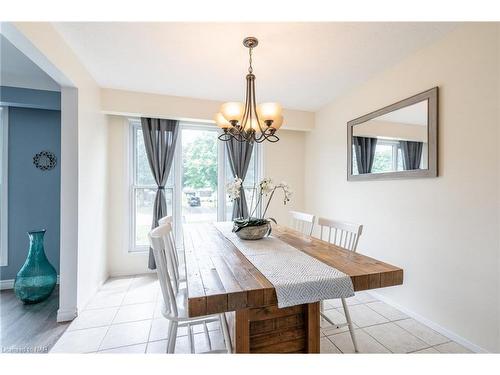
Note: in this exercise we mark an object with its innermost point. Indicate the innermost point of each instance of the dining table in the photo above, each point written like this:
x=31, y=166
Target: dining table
x=220, y=279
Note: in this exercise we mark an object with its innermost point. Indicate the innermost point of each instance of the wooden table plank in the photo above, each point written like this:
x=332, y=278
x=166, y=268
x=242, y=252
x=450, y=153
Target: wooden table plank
x=221, y=279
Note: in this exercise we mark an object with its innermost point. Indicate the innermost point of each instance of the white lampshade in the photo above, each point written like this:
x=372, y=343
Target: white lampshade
x=232, y=111
x=269, y=111
x=221, y=121
x=277, y=123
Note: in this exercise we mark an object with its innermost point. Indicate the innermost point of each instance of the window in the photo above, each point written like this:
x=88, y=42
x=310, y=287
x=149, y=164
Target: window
x=3, y=185
x=387, y=157
x=196, y=183
x=143, y=191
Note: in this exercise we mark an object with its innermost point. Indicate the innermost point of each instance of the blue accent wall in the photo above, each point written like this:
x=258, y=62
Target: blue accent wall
x=29, y=98
x=34, y=195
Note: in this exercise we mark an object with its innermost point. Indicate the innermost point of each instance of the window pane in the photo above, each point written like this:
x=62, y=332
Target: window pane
x=144, y=201
x=143, y=172
x=199, y=175
x=382, y=161
x=144, y=176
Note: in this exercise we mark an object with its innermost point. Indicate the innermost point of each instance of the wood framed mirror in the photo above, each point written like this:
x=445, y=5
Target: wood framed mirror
x=395, y=142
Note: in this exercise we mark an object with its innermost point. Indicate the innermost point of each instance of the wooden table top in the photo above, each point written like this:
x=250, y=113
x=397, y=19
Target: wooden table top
x=221, y=279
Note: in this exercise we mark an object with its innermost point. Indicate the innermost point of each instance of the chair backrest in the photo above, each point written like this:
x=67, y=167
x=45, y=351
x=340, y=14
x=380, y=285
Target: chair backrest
x=166, y=220
x=340, y=233
x=160, y=244
x=302, y=222
x=169, y=220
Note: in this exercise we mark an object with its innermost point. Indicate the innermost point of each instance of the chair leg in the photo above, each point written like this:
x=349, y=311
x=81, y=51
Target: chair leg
x=323, y=315
x=225, y=333
x=349, y=324
x=172, y=337
x=207, y=335
x=190, y=338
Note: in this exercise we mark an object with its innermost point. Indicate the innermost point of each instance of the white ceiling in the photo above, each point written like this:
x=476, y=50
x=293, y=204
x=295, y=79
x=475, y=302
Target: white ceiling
x=301, y=65
x=17, y=70
x=415, y=114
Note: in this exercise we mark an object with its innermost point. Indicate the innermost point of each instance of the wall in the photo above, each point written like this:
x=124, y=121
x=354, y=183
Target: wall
x=137, y=104
x=33, y=194
x=19, y=71
x=285, y=161
x=442, y=231
x=120, y=261
x=28, y=98
x=84, y=161
x=278, y=158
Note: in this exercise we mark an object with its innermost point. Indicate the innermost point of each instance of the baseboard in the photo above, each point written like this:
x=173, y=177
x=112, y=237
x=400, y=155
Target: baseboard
x=9, y=284
x=66, y=315
x=125, y=274
x=6, y=284
x=429, y=323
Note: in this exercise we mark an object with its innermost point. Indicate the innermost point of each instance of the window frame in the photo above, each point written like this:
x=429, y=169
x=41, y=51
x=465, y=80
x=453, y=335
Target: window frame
x=176, y=186
x=133, y=248
x=4, y=194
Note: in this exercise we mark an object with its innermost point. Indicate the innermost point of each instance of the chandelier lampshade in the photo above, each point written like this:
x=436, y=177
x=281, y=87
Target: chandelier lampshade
x=249, y=122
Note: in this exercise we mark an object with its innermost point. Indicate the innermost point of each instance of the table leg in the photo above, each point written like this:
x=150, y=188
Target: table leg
x=269, y=329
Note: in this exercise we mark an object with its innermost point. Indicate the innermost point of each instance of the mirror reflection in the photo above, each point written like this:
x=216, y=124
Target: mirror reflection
x=393, y=142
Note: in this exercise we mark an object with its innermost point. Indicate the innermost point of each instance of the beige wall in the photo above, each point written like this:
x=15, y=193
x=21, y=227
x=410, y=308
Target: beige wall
x=284, y=161
x=120, y=260
x=392, y=130
x=137, y=104
x=443, y=231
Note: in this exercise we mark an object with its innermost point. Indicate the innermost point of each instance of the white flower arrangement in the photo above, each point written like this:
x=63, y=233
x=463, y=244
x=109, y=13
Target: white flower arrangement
x=234, y=188
x=262, y=195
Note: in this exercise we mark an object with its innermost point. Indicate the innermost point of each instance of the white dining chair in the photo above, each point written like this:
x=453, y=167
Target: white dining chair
x=179, y=271
x=345, y=235
x=174, y=307
x=302, y=222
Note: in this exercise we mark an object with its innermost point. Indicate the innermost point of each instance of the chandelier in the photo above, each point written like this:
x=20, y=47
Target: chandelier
x=249, y=122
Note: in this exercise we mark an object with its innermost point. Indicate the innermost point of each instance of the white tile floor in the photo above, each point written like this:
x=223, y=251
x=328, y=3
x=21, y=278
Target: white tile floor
x=124, y=317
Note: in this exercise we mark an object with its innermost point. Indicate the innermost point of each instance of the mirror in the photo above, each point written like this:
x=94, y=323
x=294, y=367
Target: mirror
x=398, y=141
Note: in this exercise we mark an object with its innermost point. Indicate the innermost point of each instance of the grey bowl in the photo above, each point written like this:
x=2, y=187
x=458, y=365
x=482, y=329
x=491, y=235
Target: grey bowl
x=253, y=233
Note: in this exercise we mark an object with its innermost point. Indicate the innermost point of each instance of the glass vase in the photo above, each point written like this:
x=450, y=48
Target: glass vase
x=37, y=278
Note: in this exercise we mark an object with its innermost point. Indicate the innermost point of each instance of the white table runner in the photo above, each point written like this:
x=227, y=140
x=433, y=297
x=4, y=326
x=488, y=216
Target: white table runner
x=297, y=277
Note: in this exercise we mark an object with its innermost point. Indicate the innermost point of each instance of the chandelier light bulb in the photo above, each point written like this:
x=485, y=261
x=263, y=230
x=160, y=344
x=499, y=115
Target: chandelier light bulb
x=232, y=111
x=221, y=121
x=277, y=123
x=252, y=124
x=269, y=111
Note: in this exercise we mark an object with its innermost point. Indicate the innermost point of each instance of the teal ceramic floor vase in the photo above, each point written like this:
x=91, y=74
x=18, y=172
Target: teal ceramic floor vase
x=37, y=278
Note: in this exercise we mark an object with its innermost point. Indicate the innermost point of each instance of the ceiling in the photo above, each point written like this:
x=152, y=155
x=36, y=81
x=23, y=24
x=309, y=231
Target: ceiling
x=415, y=114
x=17, y=70
x=301, y=65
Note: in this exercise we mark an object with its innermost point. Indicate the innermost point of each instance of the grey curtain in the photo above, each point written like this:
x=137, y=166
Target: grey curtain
x=160, y=136
x=364, y=148
x=239, y=154
x=412, y=154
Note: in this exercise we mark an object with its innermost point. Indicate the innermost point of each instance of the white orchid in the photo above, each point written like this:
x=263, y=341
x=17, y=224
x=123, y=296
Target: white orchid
x=266, y=186
x=286, y=190
x=234, y=188
x=262, y=191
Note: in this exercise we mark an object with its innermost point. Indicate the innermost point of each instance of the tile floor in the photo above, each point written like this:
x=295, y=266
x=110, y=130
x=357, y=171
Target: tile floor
x=124, y=317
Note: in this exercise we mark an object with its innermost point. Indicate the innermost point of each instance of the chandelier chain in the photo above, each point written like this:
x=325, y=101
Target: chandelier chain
x=250, y=68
